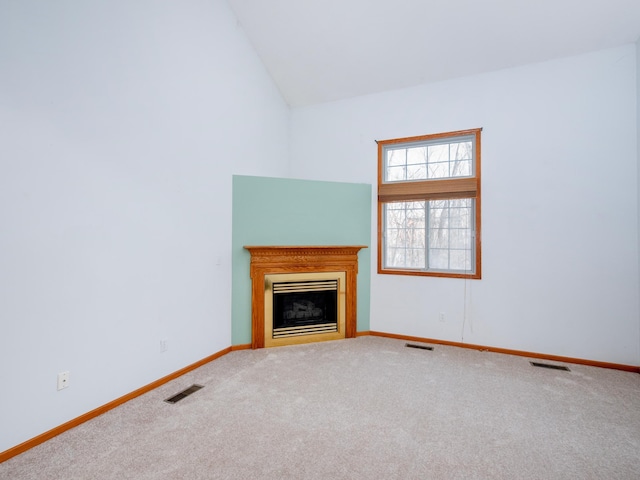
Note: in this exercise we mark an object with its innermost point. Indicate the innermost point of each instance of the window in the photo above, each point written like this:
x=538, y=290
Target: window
x=429, y=205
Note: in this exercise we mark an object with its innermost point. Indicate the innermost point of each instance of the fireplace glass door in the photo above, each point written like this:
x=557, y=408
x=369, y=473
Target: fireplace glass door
x=304, y=304
x=302, y=308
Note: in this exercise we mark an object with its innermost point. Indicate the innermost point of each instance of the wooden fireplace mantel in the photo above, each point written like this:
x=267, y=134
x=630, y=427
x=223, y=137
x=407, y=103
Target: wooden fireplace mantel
x=268, y=260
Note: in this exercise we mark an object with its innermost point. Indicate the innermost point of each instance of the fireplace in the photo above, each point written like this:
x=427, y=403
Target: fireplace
x=302, y=294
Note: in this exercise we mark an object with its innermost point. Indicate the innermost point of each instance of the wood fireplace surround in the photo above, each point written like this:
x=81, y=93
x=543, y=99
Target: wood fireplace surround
x=270, y=260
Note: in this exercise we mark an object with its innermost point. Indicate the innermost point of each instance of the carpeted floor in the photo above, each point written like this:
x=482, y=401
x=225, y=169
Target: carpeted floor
x=365, y=408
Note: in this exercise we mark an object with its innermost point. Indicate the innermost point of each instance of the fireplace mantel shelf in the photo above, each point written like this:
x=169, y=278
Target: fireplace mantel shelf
x=303, y=247
x=292, y=253
x=269, y=259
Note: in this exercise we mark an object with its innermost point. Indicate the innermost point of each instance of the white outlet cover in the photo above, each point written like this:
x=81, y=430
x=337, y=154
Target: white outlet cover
x=63, y=380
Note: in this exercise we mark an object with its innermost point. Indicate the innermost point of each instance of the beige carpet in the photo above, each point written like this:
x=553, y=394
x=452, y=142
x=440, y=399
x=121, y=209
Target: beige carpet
x=366, y=408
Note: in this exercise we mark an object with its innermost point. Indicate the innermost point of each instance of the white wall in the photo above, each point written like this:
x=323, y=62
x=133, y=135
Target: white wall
x=559, y=203
x=121, y=124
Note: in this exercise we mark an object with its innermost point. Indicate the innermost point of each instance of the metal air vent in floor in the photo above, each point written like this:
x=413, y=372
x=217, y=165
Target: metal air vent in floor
x=553, y=367
x=185, y=393
x=421, y=347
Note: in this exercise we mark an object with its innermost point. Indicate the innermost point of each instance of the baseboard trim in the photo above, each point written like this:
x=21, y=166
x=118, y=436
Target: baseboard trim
x=520, y=353
x=23, y=447
x=244, y=346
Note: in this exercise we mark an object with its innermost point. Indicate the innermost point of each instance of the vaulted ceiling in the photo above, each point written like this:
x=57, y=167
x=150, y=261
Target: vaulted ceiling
x=325, y=50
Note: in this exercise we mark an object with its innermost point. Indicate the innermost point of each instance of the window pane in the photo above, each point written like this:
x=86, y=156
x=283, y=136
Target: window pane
x=461, y=151
x=396, y=157
x=460, y=202
x=438, y=153
x=460, y=238
x=460, y=260
x=438, y=217
x=439, y=258
x=415, y=258
x=416, y=172
x=461, y=168
x=405, y=235
x=395, y=174
x=429, y=161
x=439, y=238
x=450, y=234
x=438, y=170
x=459, y=217
x=417, y=155
x=443, y=228
x=395, y=257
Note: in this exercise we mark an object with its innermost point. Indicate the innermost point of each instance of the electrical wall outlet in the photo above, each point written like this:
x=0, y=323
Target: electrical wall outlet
x=63, y=380
x=441, y=317
x=164, y=346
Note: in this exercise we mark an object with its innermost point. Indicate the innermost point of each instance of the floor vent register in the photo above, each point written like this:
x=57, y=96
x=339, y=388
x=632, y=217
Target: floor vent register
x=421, y=347
x=548, y=365
x=183, y=394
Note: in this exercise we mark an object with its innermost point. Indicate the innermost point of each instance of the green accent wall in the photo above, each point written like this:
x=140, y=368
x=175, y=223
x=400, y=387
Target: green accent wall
x=279, y=211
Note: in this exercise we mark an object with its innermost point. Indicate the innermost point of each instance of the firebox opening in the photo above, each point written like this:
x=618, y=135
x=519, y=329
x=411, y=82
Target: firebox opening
x=304, y=307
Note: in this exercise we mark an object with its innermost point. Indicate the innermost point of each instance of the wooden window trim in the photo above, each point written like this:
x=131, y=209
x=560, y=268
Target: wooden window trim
x=450, y=188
